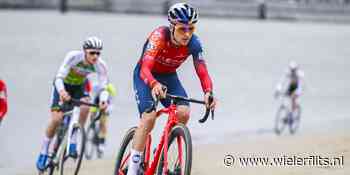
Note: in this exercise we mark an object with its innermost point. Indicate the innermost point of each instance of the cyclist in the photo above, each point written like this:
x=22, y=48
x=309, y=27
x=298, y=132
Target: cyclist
x=69, y=83
x=291, y=83
x=96, y=92
x=3, y=100
x=164, y=51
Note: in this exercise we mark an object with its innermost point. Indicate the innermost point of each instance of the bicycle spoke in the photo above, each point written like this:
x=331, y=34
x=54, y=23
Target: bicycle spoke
x=123, y=156
x=90, y=146
x=175, y=157
x=179, y=153
x=295, y=120
x=281, y=120
x=70, y=163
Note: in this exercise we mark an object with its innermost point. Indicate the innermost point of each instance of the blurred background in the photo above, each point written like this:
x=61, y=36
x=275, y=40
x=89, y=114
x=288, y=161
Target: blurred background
x=248, y=45
x=320, y=10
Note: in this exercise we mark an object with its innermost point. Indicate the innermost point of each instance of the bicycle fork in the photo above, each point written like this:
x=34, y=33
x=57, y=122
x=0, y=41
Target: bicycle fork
x=60, y=149
x=72, y=125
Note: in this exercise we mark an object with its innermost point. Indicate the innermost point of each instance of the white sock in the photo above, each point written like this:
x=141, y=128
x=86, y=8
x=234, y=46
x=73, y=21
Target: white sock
x=73, y=139
x=134, y=162
x=45, y=146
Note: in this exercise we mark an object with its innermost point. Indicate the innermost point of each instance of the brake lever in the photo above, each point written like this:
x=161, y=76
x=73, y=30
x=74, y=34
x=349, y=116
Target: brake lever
x=211, y=99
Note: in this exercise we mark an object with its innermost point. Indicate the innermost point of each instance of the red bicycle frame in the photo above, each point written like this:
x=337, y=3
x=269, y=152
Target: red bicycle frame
x=150, y=167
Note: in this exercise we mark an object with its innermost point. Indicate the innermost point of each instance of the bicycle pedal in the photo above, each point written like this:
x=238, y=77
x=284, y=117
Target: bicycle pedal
x=73, y=156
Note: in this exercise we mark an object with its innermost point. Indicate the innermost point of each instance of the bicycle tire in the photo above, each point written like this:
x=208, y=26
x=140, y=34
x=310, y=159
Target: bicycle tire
x=57, y=142
x=295, y=121
x=80, y=152
x=51, y=170
x=280, y=124
x=126, y=141
x=179, y=130
x=90, y=146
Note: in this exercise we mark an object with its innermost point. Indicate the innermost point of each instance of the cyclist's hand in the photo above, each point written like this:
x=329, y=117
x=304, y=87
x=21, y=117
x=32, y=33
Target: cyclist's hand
x=103, y=105
x=207, y=95
x=64, y=96
x=158, y=91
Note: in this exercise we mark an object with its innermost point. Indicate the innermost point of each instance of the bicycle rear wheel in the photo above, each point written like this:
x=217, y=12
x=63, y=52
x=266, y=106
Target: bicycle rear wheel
x=91, y=141
x=71, y=165
x=51, y=170
x=295, y=120
x=121, y=165
x=179, y=152
x=281, y=119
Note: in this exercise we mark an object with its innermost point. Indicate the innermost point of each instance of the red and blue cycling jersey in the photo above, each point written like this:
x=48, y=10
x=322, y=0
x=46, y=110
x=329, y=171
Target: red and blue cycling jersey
x=3, y=99
x=160, y=56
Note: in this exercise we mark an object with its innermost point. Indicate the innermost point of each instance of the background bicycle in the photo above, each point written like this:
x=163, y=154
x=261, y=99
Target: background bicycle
x=60, y=159
x=92, y=137
x=174, y=152
x=285, y=117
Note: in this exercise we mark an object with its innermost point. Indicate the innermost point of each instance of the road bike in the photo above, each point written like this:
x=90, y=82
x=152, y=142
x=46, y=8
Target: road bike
x=285, y=117
x=173, y=155
x=59, y=158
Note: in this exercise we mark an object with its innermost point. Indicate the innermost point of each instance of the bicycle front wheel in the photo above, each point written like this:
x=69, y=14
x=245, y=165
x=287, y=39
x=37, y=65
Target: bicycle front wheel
x=91, y=142
x=121, y=165
x=281, y=119
x=295, y=120
x=71, y=162
x=179, y=158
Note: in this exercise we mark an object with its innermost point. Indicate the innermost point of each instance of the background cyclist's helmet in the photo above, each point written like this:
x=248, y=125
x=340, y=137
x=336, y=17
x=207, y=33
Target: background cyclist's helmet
x=293, y=65
x=93, y=43
x=182, y=13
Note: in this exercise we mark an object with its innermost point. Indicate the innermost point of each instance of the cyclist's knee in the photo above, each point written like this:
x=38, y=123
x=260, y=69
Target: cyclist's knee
x=147, y=122
x=85, y=108
x=103, y=120
x=57, y=117
x=183, y=113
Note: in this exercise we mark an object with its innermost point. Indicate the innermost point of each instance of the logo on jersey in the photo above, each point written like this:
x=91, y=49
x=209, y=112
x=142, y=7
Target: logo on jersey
x=136, y=158
x=200, y=56
x=150, y=46
x=81, y=71
x=172, y=62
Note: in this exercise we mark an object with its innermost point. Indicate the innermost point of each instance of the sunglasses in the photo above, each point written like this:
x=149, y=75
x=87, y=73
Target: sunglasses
x=185, y=29
x=94, y=53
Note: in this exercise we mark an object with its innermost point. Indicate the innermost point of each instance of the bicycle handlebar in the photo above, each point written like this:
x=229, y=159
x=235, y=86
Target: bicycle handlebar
x=75, y=102
x=191, y=100
x=207, y=111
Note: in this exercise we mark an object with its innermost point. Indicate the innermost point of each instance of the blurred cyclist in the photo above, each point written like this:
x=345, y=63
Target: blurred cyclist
x=3, y=100
x=69, y=83
x=164, y=51
x=96, y=91
x=291, y=83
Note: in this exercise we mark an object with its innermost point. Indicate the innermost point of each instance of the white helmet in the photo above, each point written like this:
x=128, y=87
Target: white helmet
x=93, y=43
x=293, y=65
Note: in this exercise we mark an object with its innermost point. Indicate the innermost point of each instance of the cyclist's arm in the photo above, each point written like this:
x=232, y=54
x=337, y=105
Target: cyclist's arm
x=283, y=80
x=63, y=71
x=203, y=74
x=199, y=64
x=145, y=73
x=102, y=76
x=299, y=89
x=153, y=46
